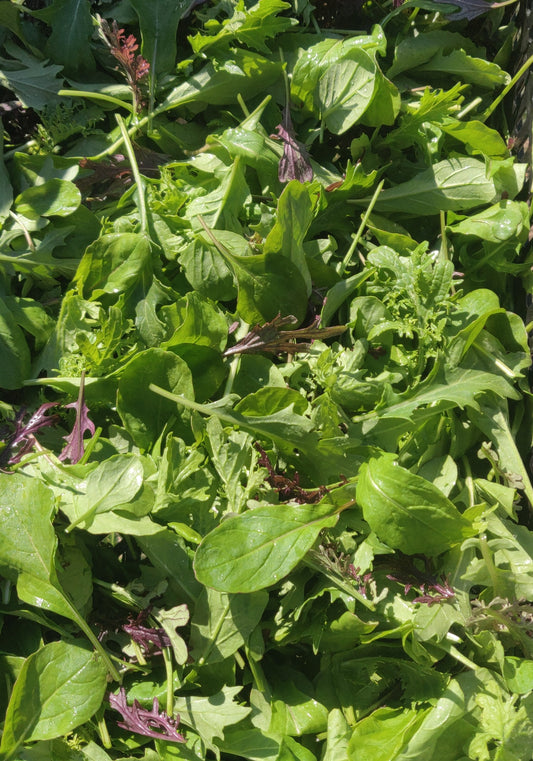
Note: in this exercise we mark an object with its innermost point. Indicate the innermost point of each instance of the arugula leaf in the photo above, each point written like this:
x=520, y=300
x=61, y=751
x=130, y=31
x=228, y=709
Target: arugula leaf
x=158, y=21
x=71, y=29
x=34, y=82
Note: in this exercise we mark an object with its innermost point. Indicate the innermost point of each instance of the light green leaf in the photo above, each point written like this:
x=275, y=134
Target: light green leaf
x=170, y=619
x=250, y=26
x=293, y=219
x=477, y=137
x=194, y=320
x=28, y=542
x=338, y=736
x=209, y=716
x=59, y=687
x=345, y=91
x=407, y=512
x=465, y=68
x=316, y=59
x=455, y=184
x=256, y=549
x=380, y=736
x=246, y=73
x=110, y=485
x=223, y=622
x=115, y=263
x=222, y=207
x=506, y=220
x=14, y=351
x=53, y=198
x=268, y=284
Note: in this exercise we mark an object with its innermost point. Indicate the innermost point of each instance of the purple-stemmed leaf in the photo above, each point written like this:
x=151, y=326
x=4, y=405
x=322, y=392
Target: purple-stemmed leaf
x=272, y=338
x=23, y=435
x=74, y=449
x=152, y=723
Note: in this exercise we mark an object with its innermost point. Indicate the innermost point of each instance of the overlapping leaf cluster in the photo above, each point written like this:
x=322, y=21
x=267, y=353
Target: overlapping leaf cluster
x=279, y=272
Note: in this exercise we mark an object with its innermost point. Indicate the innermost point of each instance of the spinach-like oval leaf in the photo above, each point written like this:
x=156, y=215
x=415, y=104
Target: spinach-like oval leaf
x=258, y=548
x=406, y=511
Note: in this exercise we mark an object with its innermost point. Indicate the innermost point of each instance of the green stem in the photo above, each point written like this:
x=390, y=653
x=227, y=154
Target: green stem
x=96, y=96
x=86, y=629
x=113, y=148
x=489, y=564
x=468, y=108
x=25, y=231
x=90, y=446
x=258, y=675
x=443, y=237
x=496, y=102
x=141, y=201
x=357, y=236
x=103, y=730
x=242, y=104
x=469, y=482
x=220, y=623
x=505, y=369
x=169, y=670
x=233, y=369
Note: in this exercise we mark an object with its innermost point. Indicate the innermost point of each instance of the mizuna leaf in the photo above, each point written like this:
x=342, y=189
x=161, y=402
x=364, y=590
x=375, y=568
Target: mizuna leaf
x=407, y=512
x=256, y=549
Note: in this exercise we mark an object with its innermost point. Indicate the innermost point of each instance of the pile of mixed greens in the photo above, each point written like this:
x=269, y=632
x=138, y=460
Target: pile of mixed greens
x=264, y=370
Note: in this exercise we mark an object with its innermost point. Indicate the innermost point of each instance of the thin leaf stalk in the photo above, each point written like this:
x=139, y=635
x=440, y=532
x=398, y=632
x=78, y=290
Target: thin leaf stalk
x=90, y=446
x=355, y=240
x=86, y=629
x=25, y=231
x=169, y=672
x=219, y=624
x=489, y=563
x=258, y=674
x=102, y=729
x=141, y=201
x=469, y=482
x=506, y=90
x=97, y=96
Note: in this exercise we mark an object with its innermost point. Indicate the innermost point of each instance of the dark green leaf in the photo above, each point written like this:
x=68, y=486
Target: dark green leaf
x=68, y=44
x=143, y=413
